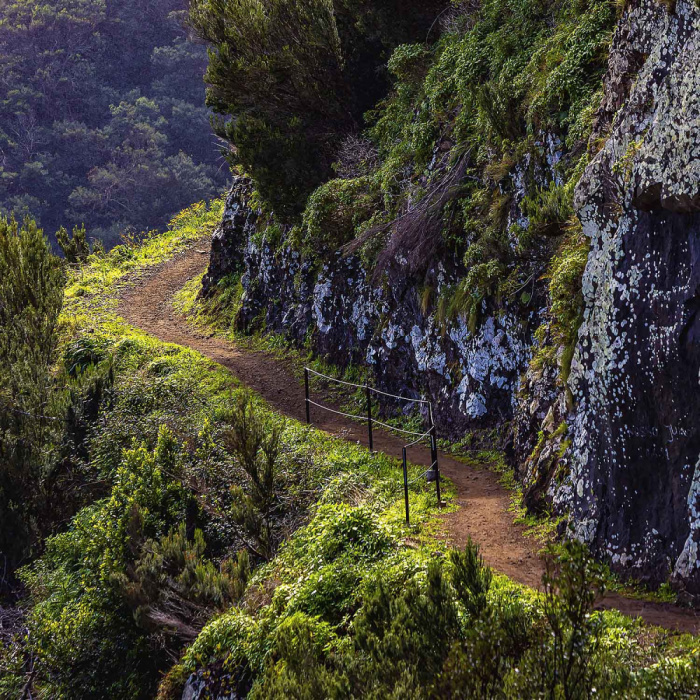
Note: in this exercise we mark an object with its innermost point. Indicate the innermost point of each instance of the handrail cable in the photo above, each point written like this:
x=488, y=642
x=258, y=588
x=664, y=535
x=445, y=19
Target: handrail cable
x=366, y=386
x=433, y=470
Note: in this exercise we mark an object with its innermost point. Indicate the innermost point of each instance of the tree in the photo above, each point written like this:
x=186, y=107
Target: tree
x=295, y=77
x=31, y=297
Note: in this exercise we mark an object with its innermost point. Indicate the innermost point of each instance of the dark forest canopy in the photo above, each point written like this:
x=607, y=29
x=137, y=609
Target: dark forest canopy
x=102, y=116
x=292, y=79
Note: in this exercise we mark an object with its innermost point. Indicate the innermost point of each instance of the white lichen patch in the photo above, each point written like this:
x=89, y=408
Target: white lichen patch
x=688, y=560
x=634, y=311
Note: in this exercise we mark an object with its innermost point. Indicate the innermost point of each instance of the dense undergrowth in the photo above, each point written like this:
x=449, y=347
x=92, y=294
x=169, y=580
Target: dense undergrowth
x=182, y=484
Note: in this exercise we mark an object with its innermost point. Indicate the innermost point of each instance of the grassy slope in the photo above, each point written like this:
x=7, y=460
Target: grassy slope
x=159, y=385
x=83, y=637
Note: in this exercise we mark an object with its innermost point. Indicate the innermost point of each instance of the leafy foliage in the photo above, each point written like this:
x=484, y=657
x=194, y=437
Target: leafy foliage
x=75, y=248
x=334, y=211
x=174, y=589
x=565, y=289
x=255, y=443
x=437, y=627
x=146, y=545
x=296, y=78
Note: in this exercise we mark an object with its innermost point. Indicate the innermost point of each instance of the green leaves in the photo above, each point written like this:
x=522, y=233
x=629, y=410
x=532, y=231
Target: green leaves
x=76, y=248
x=295, y=78
x=174, y=589
x=255, y=442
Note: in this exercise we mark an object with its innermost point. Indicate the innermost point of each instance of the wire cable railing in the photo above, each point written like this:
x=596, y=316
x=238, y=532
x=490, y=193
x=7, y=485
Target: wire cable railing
x=432, y=473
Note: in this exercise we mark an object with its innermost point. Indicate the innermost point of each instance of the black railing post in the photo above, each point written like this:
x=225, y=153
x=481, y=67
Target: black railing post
x=431, y=475
x=306, y=387
x=436, y=466
x=369, y=418
x=405, y=485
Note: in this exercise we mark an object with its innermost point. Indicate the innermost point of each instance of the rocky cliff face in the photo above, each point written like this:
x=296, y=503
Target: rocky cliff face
x=346, y=318
x=618, y=449
x=635, y=479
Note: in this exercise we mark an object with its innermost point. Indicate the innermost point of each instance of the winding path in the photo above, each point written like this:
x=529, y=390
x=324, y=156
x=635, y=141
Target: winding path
x=483, y=503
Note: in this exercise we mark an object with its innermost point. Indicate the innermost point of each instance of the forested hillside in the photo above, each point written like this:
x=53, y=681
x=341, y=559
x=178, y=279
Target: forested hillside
x=102, y=116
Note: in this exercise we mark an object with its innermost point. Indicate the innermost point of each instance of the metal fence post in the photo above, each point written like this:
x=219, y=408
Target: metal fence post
x=405, y=485
x=436, y=466
x=431, y=474
x=369, y=418
x=308, y=405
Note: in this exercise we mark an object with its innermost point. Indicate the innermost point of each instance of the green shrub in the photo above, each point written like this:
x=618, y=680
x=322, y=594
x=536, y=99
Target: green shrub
x=255, y=443
x=549, y=210
x=80, y=629
x=231, y=640
x=567, y=660
x=334, y=211
x=305, y=643
x=174, y=590
x=296, y=78
x=453, y=631
x=76, y=248
x=31, y=402
x=338, y=529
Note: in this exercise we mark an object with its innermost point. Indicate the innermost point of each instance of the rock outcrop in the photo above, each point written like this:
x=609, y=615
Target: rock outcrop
x=634, y=485
x=346, y=318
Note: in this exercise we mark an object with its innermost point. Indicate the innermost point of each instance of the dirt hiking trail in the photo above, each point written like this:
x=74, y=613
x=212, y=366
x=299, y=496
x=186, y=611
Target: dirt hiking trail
x=483, y=503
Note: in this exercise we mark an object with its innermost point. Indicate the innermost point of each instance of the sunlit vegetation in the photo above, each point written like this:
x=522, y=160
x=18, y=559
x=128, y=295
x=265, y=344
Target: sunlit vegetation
x=176, y=485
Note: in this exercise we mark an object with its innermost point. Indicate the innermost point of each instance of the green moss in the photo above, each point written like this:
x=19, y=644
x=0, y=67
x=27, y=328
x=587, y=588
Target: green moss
x=549, y=210
x=566, y=310
x=334, y=211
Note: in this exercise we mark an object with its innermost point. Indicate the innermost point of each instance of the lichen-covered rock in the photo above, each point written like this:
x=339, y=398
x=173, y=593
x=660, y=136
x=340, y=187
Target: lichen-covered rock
x=231, y=235
x=344, y=317
x=215, y=684
x=636, y=436
x=541, y=443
